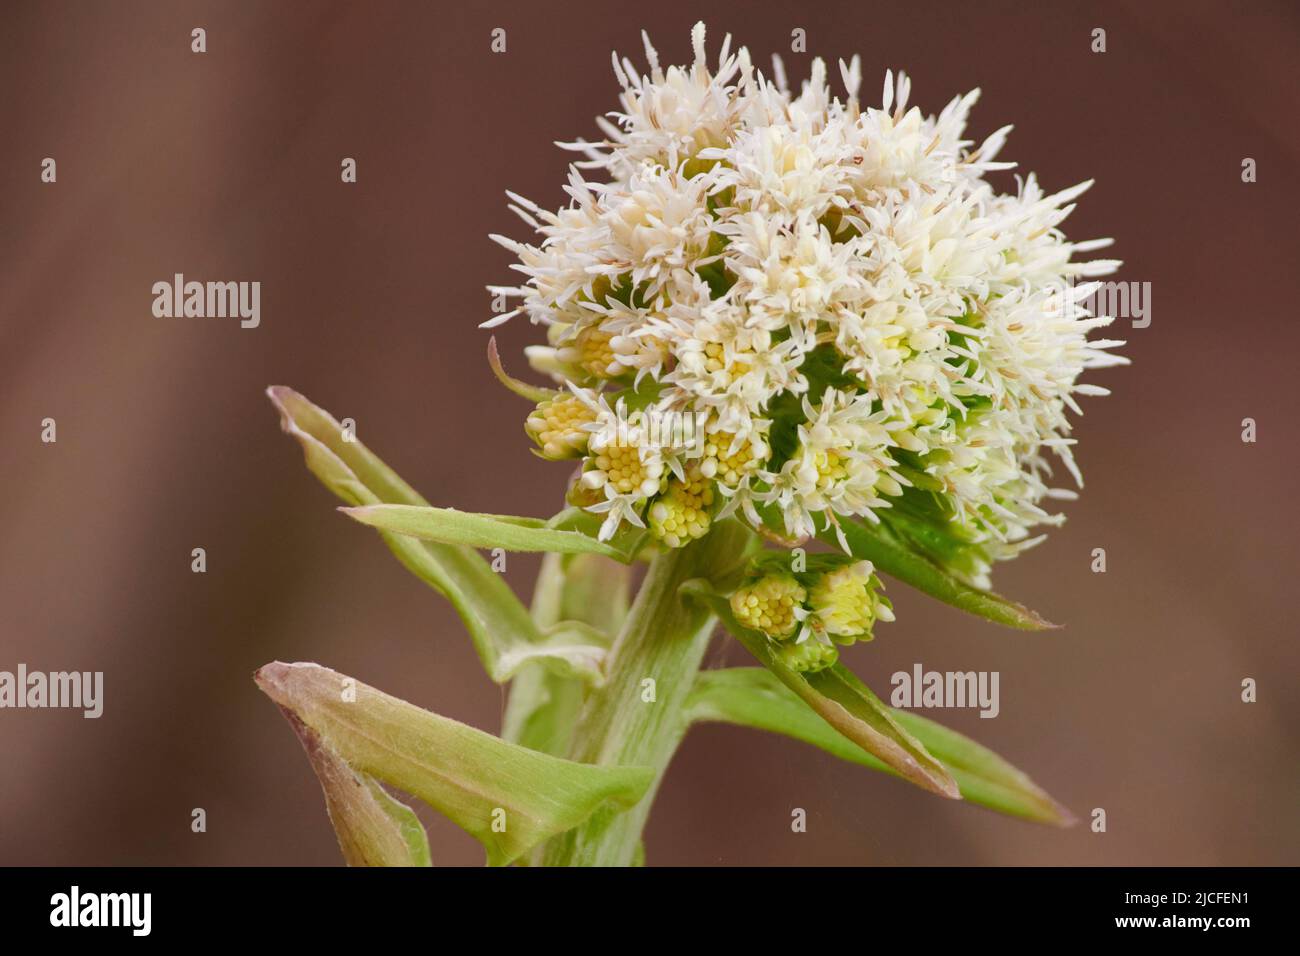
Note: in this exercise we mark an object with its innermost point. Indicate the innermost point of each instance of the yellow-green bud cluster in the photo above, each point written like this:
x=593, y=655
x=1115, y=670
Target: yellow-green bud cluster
x=622, y=469
x=845, y=604
x=806, y=613
x=807, y=656
x=594, y=353
x=728, y=466
x=682, y=513
x=773, y=605
x=556, y=424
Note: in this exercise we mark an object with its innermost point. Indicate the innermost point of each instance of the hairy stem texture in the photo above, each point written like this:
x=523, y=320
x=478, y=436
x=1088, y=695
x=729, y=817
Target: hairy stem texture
x=637, y=718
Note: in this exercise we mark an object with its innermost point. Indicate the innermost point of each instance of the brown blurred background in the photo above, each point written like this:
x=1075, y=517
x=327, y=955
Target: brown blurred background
x=226, y=166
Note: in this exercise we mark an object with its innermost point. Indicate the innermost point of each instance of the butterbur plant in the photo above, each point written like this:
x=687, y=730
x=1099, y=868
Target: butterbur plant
x=793, y=345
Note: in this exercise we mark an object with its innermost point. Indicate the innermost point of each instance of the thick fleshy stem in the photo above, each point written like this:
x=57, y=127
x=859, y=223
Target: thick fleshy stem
x=632, y=722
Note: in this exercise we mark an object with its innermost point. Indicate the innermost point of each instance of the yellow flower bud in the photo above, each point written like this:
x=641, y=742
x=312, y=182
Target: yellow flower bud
x=621, y=468
x=682, y=513
x=845, y=604
x=556, y=424
x=729, y=467
x=772, y=604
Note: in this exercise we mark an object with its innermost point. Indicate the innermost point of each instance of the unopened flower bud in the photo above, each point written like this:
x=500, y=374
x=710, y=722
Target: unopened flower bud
x=729, y=466
x=845, y=604
x=772, y=604
x=556, y=424
x=808, y=656
x=582, y=494
x=591, y=351
x=622, y=469
x=682, y=513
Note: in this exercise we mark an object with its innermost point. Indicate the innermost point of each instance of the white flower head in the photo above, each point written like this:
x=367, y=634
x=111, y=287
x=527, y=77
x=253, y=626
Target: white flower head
x=867, y=326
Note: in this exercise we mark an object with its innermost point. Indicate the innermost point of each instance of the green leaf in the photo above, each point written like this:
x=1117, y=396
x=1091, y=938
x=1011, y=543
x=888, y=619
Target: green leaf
x=844, y=702
x=543, y=705
x=984, y=777
x=449, y=526
x=570, y=649
x=507, y=797
x=628, y=540
x=345, y=467
x=753, y=697
x=594, y=590
x=373, y=828
x=879, y=545
x=497, y=621
x=924, y=520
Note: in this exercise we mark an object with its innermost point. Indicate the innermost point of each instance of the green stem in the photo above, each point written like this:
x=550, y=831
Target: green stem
x=663, y=640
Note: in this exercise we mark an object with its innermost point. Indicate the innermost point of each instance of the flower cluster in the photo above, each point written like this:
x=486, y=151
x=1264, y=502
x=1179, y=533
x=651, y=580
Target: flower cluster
x=806, y=614
x=862, y=324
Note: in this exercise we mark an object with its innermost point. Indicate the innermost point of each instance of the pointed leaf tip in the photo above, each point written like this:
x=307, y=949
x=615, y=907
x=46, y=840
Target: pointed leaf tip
x=534, y=393
x=879, y=545
x=754, y=697
x=373, y=828
x=496, y=620
x=507, y=797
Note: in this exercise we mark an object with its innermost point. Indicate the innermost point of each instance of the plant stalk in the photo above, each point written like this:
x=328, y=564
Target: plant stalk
x=638, y=717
